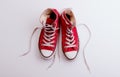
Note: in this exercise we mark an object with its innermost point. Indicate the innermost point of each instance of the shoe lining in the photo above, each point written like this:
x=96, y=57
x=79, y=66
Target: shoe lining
x=70, y=16
x=47, y=14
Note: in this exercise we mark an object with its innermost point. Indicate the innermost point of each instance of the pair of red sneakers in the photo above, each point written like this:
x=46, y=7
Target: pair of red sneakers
x=51, y=21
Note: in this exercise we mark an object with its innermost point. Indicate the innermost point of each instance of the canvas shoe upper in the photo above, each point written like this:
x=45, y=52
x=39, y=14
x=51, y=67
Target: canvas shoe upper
x=49, y=33
x=70, y=41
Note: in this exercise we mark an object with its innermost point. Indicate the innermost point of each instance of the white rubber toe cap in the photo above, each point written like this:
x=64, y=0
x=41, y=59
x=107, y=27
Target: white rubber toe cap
x=46, y=53
x=71, y=54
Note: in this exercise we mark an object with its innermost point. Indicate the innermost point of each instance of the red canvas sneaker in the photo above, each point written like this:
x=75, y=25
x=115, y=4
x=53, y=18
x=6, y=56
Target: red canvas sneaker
x=70, y=41
x=49, y=33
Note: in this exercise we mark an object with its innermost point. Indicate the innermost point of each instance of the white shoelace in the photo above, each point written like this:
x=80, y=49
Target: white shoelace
x=84, y=57
x=70, y=38
x=49, y=32
x=46, y=37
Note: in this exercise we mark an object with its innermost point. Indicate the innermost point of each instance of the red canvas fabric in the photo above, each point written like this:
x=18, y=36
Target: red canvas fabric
x=65, y=23
x=53, y=23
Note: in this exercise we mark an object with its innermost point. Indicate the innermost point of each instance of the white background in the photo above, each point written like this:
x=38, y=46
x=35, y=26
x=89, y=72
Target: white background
x=19, y=17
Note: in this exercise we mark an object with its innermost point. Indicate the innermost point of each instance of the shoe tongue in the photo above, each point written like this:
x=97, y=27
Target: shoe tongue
x=49, y=21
